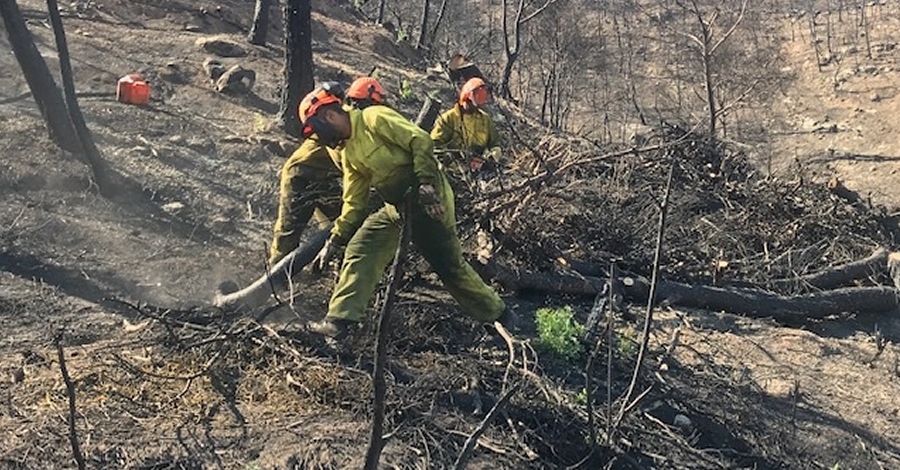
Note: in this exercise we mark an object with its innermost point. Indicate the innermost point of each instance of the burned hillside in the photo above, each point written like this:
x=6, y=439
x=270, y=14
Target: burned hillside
x=120, y=290
x=727, y=222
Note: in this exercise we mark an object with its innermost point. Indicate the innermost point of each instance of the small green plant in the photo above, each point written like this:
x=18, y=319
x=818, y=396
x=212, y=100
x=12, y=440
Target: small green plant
x=581, y=397
x=260, y=123
x=836, y=466
x=402, y=34
x=558, y=331
x=625, y=344
x=406, y=91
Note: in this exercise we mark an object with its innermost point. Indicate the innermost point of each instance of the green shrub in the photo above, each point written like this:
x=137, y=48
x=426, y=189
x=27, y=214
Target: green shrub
x=406, y=92
x=559, y=332
x=402, y=34
x=625, y=344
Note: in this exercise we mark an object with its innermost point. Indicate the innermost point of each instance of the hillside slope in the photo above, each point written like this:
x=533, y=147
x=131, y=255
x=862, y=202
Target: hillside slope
x=188, y=387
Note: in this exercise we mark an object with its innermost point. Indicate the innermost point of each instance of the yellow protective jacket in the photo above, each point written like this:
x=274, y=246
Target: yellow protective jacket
x=308, y=179
x=312, y=154
x=456, y=130
x=387, y=152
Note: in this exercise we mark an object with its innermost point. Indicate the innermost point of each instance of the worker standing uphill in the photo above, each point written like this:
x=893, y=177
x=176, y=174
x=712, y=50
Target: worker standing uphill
x=467, y=133
x=380, y=149
x=310, y=178
x=365, y=92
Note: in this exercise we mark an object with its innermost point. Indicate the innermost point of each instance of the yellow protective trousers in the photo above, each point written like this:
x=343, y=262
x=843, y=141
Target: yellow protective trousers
x=305, y=193
x=373, y=246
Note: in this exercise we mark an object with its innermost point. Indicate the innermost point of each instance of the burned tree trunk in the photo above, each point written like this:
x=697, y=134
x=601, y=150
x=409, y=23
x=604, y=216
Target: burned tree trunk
x=743, y=301
x=381, y=4
x=95, y=160
x=298, y=62
x=277, y=280
x=260, y=23
x=43, y=88
x=423, y=26
x=837, y=276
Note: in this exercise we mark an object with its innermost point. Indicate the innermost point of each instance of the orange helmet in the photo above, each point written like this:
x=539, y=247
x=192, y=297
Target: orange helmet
x=474, y=91
x=325, y=94
x=366, y=89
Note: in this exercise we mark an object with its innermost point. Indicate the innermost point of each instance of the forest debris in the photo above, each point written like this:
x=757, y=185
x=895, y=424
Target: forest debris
x=744, y=301
x=236, y=80
x=214, y=68
x=893, y=264
x=838, y=276
x=730, y=224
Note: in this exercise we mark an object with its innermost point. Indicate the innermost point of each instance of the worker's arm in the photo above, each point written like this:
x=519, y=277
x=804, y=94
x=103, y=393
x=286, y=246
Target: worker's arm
x=353, y=210
x=442, y=132
x=493, y=135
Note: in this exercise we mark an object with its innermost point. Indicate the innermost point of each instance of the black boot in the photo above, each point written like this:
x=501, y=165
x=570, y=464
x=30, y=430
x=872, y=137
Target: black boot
x=509, y=320
x=334, y=328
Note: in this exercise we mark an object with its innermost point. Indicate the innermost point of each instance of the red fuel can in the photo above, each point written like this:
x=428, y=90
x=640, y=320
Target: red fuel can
x=133, y=89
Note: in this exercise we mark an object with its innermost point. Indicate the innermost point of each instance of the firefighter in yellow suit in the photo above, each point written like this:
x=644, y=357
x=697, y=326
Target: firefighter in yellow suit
x=310, y=178
x=310, y=187
x=381, y=149
x=467, y=130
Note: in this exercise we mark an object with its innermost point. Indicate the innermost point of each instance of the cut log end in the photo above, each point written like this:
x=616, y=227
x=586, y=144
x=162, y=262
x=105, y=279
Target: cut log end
x=893, y=265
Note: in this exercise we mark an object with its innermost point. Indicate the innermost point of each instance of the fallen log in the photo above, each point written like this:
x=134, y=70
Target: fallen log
x=893, y=265
x=831, y=278
x=277, y=280
x=744, y=301
x=837, y=276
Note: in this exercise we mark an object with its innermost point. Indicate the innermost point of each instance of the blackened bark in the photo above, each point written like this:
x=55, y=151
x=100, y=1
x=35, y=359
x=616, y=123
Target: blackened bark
x=260, y=23
x=750, y=302
x=381, y=4
x=43, y=88
x=298, y=62
x=423, y=26
x=95, y=160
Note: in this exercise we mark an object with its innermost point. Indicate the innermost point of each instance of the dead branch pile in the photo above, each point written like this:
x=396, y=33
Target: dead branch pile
x=728, y=223
x=172, y=360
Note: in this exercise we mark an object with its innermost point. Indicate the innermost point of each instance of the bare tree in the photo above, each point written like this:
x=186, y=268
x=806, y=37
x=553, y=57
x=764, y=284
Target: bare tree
x=437, y=23
x=512, y=38
x=43, y=88
x=298, y=62
x=557, y=67
x=381, y=5
x=708, y=41
x=423, y=25
x=91, y=152
x=260, y=23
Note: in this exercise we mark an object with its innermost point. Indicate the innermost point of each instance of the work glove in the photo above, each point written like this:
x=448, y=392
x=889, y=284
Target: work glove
x=430, y=202
x=325, y=254
x=486, y=160
x=475, y=163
